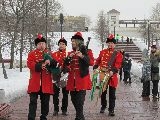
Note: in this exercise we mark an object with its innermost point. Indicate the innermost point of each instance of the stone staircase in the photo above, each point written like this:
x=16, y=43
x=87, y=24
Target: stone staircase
x=134, y=52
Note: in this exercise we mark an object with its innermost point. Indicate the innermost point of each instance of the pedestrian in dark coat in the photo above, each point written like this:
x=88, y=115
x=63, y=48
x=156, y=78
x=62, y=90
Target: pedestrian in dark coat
x=126, y=65
x=127, y=40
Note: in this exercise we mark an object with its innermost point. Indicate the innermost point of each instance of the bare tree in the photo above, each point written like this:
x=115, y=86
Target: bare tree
x=4, y=42
x=23, y=19
x=13, y=12
x=40, y=17
x=149, y=30
x=22, y=34
x=102, y=29
x=156, y=16
x=156, y=12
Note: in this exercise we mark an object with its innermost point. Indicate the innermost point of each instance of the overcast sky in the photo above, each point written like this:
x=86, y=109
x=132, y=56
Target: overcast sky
x=129, y=9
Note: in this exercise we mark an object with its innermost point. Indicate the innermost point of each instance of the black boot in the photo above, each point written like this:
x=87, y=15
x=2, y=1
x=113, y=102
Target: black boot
x=111, y=113
x=64, y=113
x=42, y=117
x=102, y=109
x=130, y=81
x=120, y=78
x=155, y=98
x=55, y=113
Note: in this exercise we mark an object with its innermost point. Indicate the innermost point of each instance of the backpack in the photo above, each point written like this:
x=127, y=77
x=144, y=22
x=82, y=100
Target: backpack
x=146, y=71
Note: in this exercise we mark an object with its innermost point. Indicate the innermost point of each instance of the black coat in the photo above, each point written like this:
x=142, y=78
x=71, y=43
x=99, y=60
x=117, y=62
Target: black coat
x=126, y=65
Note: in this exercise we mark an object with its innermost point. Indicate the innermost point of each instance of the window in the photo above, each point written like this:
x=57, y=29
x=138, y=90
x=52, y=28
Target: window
x=113, y=18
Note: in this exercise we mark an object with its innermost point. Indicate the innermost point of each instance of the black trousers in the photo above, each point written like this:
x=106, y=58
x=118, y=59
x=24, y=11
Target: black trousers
x=64, y=99
x=112, y=98
x=33, y=105
x=127, y=75
x=78, y=98
x=120, y=73
x=146, y=88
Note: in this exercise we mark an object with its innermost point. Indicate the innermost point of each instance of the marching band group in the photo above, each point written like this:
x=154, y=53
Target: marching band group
x=45, y=75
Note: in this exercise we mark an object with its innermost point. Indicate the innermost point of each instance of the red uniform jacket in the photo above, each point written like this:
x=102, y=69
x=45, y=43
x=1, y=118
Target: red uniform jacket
x=103, y=59
x=60, y=56
x=38, y=79
x=75, y=81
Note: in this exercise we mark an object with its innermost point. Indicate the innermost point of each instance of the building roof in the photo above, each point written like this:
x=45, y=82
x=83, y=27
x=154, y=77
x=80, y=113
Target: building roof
x=113, y=11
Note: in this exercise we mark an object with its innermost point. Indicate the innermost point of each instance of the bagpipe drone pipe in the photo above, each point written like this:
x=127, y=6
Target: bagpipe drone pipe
x=53, y=67
x=84, y=48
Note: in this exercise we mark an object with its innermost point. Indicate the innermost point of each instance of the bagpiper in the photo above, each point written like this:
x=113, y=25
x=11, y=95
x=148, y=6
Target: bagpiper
x=40, y=82
x=79, y=60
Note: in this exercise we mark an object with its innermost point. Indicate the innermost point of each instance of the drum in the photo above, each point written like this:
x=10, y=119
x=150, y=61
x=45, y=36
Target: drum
x=102, y=78
x=100, y=81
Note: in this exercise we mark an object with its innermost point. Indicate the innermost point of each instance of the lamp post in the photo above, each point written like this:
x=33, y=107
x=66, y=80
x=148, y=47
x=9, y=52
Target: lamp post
x=61, y=19
x=148, y=30
x=114, y=28
x=48, y=41
x=46, y=18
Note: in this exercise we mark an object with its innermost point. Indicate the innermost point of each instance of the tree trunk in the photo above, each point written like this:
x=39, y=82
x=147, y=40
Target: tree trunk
x=4, y=70
x=13, y=45
x=0, y=54
x=22, y=34
x=48, y=40
x=30, y=41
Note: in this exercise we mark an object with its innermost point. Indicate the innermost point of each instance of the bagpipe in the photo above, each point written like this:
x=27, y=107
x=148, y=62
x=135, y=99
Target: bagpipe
x=59, y=76
x=50, y=68
x=64, y=74
x=82, y=48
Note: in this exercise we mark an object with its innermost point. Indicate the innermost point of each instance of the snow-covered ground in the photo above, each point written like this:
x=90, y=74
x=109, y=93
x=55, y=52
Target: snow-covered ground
x=17, y=82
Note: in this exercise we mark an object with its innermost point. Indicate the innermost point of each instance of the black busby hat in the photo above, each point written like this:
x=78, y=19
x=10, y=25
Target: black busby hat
x=62, y=40
x=154, y=46
x=111, y=39
x=78, y=36
x=39, y=39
